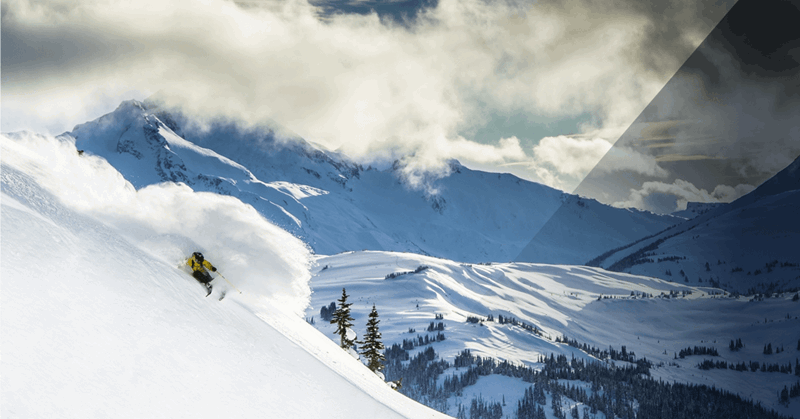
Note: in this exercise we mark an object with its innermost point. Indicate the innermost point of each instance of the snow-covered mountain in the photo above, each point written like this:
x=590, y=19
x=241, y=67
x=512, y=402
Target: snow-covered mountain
x=749, y=244
x=693, y=209
x=98, y=322
x=578, y=228
x=336, y=205
x=648, y=317
x=100, y=319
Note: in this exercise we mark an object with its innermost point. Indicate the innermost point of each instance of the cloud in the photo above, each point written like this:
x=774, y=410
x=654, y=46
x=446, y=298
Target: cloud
x=349, y=81
x=728, y=116
x=563, y=161
x=663, y=197
x=571, y=156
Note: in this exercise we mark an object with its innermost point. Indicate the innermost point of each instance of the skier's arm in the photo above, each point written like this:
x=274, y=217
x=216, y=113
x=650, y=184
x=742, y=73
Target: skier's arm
x=208, y=265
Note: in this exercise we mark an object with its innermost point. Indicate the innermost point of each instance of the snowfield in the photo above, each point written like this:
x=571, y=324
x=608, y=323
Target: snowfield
x=99, y=320
x=563, y=300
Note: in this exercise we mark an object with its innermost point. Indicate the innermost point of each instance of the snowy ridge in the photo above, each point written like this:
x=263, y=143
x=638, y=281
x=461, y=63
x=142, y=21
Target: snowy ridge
x=693, y=209
x=98, y=321
x=580, y=227
x=749, y=244
x=474, y=216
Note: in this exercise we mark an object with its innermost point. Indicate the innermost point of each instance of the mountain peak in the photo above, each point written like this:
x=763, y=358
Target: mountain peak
x=130, y=104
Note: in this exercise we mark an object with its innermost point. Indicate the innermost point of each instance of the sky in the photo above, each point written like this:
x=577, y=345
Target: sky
x=726, y=122
x=540, y=89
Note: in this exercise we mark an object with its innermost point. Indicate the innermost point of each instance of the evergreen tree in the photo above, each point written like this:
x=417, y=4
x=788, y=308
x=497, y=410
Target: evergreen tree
x=325, y=312
x=372, y=345
x=342, y=319
x=557, y=408
x=540, y=413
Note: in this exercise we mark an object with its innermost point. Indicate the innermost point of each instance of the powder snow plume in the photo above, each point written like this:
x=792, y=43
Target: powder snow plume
x=170, y=221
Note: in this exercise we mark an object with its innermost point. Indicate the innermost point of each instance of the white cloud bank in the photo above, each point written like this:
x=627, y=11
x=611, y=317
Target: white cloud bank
x=563, y=161
x=663, y=197
x=350, y=81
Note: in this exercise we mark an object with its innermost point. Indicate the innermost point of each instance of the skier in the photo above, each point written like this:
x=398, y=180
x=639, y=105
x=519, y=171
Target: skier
x=199, y=272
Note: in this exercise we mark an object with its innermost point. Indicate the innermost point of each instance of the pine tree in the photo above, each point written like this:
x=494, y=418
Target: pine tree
x=342, y=319
x=372, y=345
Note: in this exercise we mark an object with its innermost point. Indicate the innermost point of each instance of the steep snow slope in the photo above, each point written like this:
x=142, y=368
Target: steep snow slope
x=561, y=300
x=749, y=243
x=99, y=322
x=336, y=205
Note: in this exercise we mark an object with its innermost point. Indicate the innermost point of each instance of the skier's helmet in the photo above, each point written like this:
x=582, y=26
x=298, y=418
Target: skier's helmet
x=198, y=256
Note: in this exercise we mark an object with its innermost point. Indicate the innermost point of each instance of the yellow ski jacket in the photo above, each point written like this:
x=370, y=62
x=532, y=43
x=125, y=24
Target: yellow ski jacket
x=197, y=266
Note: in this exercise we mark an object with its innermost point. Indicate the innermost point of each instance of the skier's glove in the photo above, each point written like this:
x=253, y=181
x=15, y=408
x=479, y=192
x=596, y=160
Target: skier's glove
x=213, y=269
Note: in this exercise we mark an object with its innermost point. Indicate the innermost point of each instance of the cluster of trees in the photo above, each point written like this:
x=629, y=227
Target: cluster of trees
x=409, y=344
x=642, y=255
x=415, y=271
x=789, y=393
x=709, y=364
x=434, y=327
x=596, y=261
x=769, y=290
x=752, y=366
x=611, y=353
x=512, y=321
x=634, y=295
x=768, y=349
x=531, y=404
x=768, y=267
x=624, y=392
x=480, y=409
x=371, y=346
x=697, y=350
x=326, y=312
x=735, y=346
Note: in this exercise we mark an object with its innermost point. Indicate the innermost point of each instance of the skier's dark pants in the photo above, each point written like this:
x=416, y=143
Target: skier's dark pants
x=203, y=277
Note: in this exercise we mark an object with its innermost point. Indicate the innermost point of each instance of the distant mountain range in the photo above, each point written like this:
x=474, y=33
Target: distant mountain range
x=751, y=244
x=335, y=204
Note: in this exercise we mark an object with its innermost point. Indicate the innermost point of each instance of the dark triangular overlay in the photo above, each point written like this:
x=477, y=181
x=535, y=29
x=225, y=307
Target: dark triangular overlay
x=725, y=123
